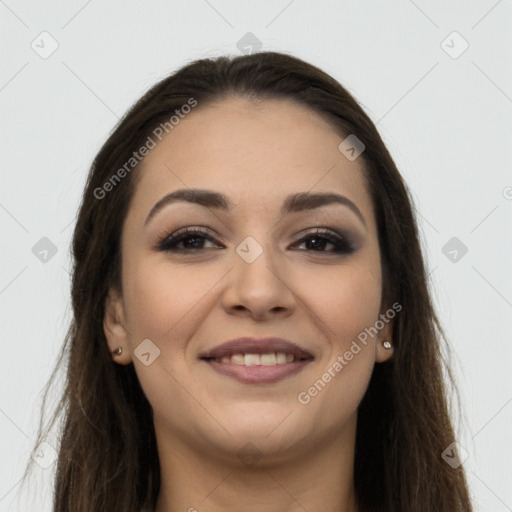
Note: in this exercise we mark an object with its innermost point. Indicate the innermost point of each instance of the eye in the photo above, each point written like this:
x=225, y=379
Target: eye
x=321, y=238
x=192, y=238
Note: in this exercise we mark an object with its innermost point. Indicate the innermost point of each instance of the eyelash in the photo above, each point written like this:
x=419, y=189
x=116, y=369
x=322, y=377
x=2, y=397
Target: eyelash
x=169, y=243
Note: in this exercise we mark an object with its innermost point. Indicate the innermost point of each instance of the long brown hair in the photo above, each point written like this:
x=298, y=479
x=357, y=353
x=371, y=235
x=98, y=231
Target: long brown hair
x=107, y=455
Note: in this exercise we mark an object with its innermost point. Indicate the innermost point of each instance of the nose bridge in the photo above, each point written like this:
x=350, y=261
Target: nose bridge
x=257, y=282
x=255, y=261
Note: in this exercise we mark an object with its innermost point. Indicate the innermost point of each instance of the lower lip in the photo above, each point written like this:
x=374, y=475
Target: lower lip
x=258, y=374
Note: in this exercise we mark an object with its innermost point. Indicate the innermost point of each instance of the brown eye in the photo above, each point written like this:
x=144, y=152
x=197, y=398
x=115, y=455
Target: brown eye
x=318, y=240
x=192, y=239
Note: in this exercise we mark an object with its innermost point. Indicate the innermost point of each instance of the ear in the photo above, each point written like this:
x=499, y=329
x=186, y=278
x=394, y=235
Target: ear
x=382, y=353
x=114, y=327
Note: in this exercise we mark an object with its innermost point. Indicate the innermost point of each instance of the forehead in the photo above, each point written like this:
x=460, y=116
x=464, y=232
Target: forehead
x=255, y=150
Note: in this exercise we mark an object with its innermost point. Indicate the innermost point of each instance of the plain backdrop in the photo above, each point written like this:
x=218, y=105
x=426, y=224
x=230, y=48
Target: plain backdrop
x=434, y=76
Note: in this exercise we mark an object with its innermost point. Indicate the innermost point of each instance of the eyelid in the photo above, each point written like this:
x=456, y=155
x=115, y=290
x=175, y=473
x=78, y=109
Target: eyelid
x=166, y=235
x=342, y=239
x=344, y=234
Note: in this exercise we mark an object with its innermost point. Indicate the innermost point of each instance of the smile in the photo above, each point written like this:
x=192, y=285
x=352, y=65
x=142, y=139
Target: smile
x=257, y=361
x=265, y=368
x=268, y=359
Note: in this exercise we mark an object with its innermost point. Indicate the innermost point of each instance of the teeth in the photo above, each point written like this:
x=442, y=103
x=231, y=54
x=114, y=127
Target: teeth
x=281, y=358
x=237, y=359
x=269, y=359
x=252, y=359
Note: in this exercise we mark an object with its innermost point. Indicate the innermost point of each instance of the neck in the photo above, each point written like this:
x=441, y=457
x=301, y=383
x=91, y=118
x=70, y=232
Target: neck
x=319, y=479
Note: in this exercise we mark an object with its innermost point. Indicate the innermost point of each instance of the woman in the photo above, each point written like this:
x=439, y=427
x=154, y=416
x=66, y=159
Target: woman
x=252, y=324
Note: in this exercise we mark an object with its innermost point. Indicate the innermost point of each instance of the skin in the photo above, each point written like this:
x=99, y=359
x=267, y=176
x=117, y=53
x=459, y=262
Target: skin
x=256, y=153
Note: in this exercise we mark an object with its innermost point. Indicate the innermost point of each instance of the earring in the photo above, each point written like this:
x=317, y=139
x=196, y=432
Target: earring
x=117, y=351
x=387, y=344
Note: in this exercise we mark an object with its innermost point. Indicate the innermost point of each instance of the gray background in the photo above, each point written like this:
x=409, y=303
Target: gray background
x=444, y=113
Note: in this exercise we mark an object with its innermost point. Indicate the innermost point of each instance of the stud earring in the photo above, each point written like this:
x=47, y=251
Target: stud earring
x=117, y=351
x=387, y=344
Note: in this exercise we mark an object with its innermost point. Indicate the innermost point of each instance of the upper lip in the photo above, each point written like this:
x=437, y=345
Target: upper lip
x=256, y=346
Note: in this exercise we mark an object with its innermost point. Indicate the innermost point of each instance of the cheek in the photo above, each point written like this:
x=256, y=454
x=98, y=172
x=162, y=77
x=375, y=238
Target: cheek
x=346, y=305
x=163, y=301
x=166, y=304
x=346, y=301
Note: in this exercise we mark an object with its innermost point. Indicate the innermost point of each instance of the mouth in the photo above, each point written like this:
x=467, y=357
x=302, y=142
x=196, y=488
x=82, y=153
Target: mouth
x=253, y=361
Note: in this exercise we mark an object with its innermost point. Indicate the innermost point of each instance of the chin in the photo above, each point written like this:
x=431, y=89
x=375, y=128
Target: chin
x=261, y=451
x=256, y=418
x=271, y=433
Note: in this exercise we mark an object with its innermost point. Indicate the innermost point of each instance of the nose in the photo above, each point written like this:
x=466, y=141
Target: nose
x=258, y=289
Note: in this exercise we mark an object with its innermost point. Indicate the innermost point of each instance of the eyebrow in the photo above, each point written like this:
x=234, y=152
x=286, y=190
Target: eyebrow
x=293, y=203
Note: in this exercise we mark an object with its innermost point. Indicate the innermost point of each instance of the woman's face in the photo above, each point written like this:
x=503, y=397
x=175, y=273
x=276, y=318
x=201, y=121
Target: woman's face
x=258, y=269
